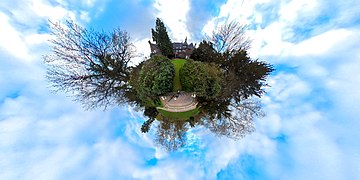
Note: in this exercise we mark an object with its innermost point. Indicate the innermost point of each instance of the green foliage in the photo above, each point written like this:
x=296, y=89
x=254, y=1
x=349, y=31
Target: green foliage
x=206, y=53
x=192, y=76
x=243, y=77
x=179, y=115
x=132, y=94
x=201, y=78
x=250, y=75
x=94, y=65
x=145, y=127
x=178, y=64
x=155, y=78
x=150, y=112
x=216, y=109
x=161, y=37
x=214, y=81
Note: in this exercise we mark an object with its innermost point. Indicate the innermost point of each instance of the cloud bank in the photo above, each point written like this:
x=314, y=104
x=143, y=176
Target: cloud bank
x=312, y=114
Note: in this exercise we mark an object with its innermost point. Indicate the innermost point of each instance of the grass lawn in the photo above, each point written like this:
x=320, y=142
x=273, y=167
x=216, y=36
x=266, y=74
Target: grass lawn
x=179, y=115
x=178, y=64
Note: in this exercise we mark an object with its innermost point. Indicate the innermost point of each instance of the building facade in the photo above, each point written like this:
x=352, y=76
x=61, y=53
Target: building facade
x=180, y=49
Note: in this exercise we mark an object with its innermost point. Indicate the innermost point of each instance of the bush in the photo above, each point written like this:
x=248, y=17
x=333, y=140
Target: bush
x=155, y=78
x=201, y=78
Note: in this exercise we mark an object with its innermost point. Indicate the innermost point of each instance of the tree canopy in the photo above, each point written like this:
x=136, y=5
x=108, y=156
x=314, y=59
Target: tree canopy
x=155, y=78
x=247, y=76
x=201, y=78
x=93, y=65
x=230, y=37
x=227, y=48
x=205, y=52
x=161, y=37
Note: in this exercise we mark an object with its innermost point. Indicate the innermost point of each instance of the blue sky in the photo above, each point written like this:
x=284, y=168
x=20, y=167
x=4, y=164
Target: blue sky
x=312, y=107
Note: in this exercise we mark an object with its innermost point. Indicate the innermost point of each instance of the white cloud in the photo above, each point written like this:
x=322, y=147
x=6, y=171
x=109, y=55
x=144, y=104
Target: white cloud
x=313, y=106
x=60, y=140
x=89, y=3
x=288, y=86
x=173, y=13
x=270, y=40
x=54, y=13
x=321, y=44
x=172, y=168
x=314, y=135
x=239, y=10
x=84, y=16
x=233, y=10
x=12, y=40
x=276, y=38
x=143, y=50
x=295, y=9
x=22, y=20
x=209, y=28
x=266, y=41
x=309, y=130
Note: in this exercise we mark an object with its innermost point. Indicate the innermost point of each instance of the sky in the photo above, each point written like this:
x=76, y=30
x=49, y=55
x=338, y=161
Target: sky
x=312, y=107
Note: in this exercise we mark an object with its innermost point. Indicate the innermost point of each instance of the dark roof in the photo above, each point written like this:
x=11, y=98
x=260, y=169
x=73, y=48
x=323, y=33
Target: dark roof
x=182, y=45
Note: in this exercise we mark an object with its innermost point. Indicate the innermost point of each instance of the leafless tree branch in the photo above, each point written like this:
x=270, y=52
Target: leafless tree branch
x=171, y=135
x=230, y=37
x=93, y=65
x=241, y=121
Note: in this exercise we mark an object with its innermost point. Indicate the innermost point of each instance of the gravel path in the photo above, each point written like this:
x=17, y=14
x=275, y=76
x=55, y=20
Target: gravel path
x=178, y=102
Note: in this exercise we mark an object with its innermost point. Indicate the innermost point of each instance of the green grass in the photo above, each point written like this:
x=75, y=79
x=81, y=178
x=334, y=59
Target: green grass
x=179, y=115
x=178, y=64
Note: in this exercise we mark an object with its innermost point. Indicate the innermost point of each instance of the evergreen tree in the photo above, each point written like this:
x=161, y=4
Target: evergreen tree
x=243, y=77
x=206, y=53
x=161, y=37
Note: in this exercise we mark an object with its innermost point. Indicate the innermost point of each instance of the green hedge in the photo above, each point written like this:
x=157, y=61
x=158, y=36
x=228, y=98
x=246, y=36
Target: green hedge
x=156, y=77
x=201, y=78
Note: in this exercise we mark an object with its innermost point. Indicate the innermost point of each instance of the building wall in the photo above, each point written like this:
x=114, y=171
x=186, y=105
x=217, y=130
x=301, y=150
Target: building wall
x=181, y=50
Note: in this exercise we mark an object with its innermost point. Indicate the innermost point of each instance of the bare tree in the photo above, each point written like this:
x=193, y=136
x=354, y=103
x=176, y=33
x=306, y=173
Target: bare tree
x=171, y=135
x=230, y=37
x=239, y=124
x=93, y=65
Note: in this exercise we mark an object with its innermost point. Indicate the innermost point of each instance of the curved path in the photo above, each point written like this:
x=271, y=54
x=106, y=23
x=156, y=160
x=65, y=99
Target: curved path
x=178, y=102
